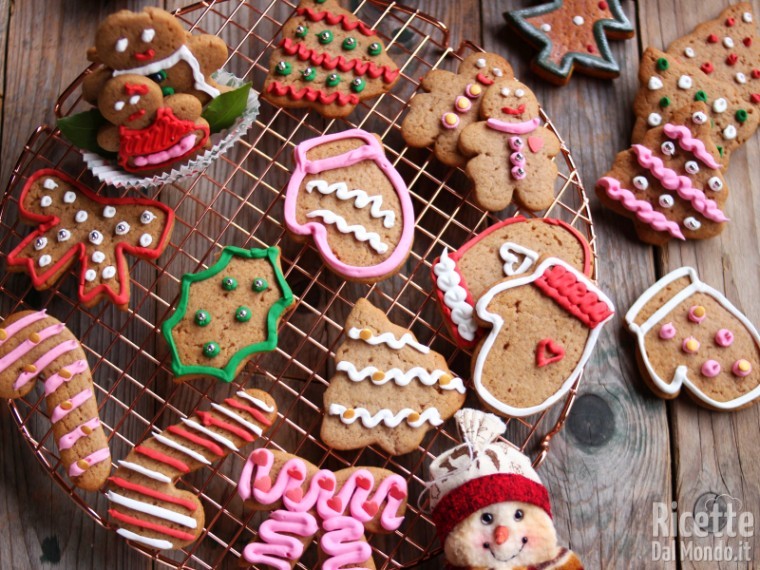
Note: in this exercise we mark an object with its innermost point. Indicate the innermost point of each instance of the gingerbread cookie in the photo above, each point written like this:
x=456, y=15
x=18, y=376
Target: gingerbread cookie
x=690, y=336
x=670, y=185
x=35, y=346
x=75, y=224
x=388, y=388
x=669, y=84
x=146, y=505
x=451, y=102
x=328, y=60
x=510, y=154
x=305, y=501
x=544, y=325
x=505, y=249
x=346, y=195
x=572, y=34
x=227, y=314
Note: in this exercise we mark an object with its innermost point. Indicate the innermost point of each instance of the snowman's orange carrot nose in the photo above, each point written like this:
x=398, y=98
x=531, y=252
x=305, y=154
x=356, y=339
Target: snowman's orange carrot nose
x=501, y=534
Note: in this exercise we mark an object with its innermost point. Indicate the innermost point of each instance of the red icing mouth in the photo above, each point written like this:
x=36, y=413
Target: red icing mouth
x=147, y=55
x=483, y=79
x=136, y=115
x=512, y=111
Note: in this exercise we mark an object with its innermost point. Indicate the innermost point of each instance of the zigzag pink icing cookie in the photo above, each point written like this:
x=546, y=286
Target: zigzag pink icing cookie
x=347, y=196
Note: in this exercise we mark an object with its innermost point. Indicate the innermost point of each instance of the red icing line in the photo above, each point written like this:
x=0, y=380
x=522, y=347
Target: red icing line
x=163, y=458
x=514, y=111
x=347, y=22
x=147, y=491
x=210, y=420
x=257, y=415
x=572, y=295
x=323, y=59
x=546, y=347
x=196, y=439
x=311, y=94
x=174, y=533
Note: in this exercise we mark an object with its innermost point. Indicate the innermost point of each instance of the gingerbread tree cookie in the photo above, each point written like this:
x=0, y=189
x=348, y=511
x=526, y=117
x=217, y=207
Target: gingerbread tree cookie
x=671, y=184
x=328, y=60
x=511, y=155
x=451, y=103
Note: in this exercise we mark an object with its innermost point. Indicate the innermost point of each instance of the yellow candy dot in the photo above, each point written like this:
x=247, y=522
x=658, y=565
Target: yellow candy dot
x=34, y=337
x=348, y=414
x=445, y=380
x=692, y=345
x=30, y=368
x=366, y=334
x=64, y=373
x=744, y=366
x=463, y=104
x=378, y=376
x=450, y=118
x=3, y=334
x=700, y=311
x=67, y=405
x=476, y=89
x=413, y=417
x=86, y=430
x=82, y=464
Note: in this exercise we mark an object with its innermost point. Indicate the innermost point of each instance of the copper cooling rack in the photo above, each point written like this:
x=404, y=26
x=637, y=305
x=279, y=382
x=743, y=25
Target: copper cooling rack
x=239, y=201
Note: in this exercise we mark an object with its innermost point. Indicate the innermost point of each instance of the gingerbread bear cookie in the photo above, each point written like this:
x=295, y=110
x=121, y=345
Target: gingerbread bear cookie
x=347, y=195
x=510, y=154
x=328, y=60
x=544, y=324
x=35, y=346
x=690, y=336
x=451, y=102
x=75, y=224
x=146, y=505
x=671, y=184
x=388, y=388
x=505, y=249
x=305, y=501
x=227, y=314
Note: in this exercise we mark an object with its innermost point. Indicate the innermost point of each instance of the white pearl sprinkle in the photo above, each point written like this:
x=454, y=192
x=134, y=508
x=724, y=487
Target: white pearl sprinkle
x=45, y=260
x=49, y=184
x=691, y=166
x=666, y=201
x=480, y=63
x=64, y=235
x=747, y=17
x=720, y=105
x=121, y=229
x=689, y=52
x=98, y=257
x=40, y=243
x=654, y=120
x=668, y=148
x=519, y=92
x=578, y=20
x=655, y=83
x=728, y=42
x=497, y=72
x=740, y=78
x=109, y=212
x=684, y=82
x=715, y=184
x=505, y=91
x=80, y=217
x=546, y=27
x=692, y=223
x=729, y=133
x=640, y=182
x=146, y=240
x=699, y=118
x=90, y=275
x=46, y=201
x=108, y=272
x=147, y=217
x=95, y=237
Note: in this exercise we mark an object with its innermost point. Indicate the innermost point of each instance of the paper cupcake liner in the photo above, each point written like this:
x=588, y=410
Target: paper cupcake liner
x=108, y=171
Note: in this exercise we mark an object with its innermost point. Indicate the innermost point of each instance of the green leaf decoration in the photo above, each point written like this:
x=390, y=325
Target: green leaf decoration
x=222, y=112
x=82, y=131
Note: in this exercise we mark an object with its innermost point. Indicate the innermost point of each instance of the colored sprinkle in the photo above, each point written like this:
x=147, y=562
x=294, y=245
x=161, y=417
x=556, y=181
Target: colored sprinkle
x=259, y=284
x=82, y=464
x=365, y=334
x=741, y=115
x=664, y=102
x=67, y=405
x=357, y=85
x=301, y=31
x=243, y=314
x=284, y=68
x=64, y=373
x=741, y=368
x=375, y=49
x=333, y=79
x=34, y=337
x=86, y=430
x=229, y=283
x=662, y=64
x=202, y=318
x=349, y=44
x=690, y=345
x=700, y=96
x=325, y=37
x=211, y=349
x=166, y=91
x=30, y=368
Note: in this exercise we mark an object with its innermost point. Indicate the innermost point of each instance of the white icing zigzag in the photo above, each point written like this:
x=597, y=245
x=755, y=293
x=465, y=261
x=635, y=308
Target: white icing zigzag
x=360, y=197
x=386, y=416
x=388, y=339
x=455, y=296
x=359, y=231
x=401, y=378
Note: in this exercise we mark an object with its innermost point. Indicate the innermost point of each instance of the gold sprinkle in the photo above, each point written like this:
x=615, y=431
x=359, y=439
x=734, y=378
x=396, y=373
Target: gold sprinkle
x=462, y=104
x=30, y=368
x=700, y=311
x=82, y=464
x=348, y=414
x=34, y=337
x=692, y=345
x=450, y=118
x=365, y=334
x=3, y=334
x=476, y=89
x=744, y=365
x=413, y=417
x=445, y=379
x=67, y=405
x=378, y=376
x=64, y=373
x=86, y=430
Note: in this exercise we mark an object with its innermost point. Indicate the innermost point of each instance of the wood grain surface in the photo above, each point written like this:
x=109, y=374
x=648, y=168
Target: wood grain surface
x=622, y=450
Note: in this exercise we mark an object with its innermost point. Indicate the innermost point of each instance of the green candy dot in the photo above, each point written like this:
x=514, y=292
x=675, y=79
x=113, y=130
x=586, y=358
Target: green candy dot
x=229, y=283
x=308, y=74
x=321, y=1
x=700, y=96
x=301, y=31
x=349, y=44
x=325, y=37
x=741, y=115
x=158, y=76
x=664, y=102
x=358, y=84
x=167, y=91
x=333, y=79
x=259, y=284
x=211, y=349
x=284, y=68
x=202, y=318
x=375, y=48
x=662, y=63
x=242, y=314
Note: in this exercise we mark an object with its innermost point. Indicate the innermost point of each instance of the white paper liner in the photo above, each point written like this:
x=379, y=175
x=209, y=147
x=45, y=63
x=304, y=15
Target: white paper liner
x=108, y=171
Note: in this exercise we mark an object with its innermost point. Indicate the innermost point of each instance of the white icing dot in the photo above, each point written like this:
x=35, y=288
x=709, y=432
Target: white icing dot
x=654, y=120
x=747, y=17
x=655, y=83
x=728, y=42
x=49, y=184
x=546, y=27
x=64, y=235
x=691, y=166
x=740, y=78
x=121, y=229
x=668, y=148
x=689, y=52
x=147, y=217
x=80, y=217
x=497, y=72
x=134, y=99
x=684, y=82
x=729, y=133
x=95, y=237
x=720, y=105
x=148, y=34
x=118, y=106
x=109, y=212
x=90, y=275
x=45, y=260
x=666, y=201
x=146, y=240
x=69, y=197
x=40, y=243
x=715, y=184
x=98, y=257
x=699, y=118
x=692, y=223
x=505, y=91
x=640, y=182
x=108, y=272
x=519, y=92
x=121, y=45
x=480, y=63
x=45, y=201
x=578, y=20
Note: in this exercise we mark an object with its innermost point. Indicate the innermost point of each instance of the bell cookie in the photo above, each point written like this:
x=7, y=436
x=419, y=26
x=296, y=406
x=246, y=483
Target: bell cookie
x=145, y=504
x=328, y=60
x=572, y=35
x=451, y=102
x=510, y=154
x=227, y=314
x=505, y=249
x=688, y=335
x=349, y=198
x=75, y=224
x=388, y=388
x=670, y=184
x=305, y=501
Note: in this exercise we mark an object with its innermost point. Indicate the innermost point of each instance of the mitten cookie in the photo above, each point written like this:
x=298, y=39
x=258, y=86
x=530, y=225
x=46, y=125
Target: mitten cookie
x=511, y=156
x=690, y=336
x=669, y=84
x=670, y=185
x=505, y=249
x=328, y=60
x=146, y=505
x=544, y=325
x=75, y=224
x=346, y=195
x=305, y=501
x=35, y=346
x=451, y=103
x=227, y=314
x=388, y=388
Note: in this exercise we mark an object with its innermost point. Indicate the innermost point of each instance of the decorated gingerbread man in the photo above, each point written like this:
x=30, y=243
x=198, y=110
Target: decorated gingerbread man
x=511, y=153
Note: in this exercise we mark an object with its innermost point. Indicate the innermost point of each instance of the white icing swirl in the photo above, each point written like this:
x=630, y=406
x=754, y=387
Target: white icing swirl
x=401, y=378
x=360, y=197
x=359, y=231
x=455, y=296
x=388, y=339
x=386, y=416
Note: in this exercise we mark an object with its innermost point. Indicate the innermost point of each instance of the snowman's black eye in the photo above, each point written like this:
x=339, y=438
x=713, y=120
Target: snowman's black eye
x=486, y=518
x=519, y=515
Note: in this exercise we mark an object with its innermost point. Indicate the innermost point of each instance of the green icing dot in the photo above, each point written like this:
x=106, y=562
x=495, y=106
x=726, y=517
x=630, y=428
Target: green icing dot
x=211, y=349
x=720, y=150
x=375, y=48
x=741, y=115
x=325, y=37
x=662, y=63
x=202, y=318
x=308, y=74
x=167, y=91
x=700, y=96
x=242, y=314
x=284, y=68
x=301, y=31
x=321, y=1
x=664, y=102
x=349, y=44
x=357, y=85
x=229, y=283
x=333, y=79
x=259, y=284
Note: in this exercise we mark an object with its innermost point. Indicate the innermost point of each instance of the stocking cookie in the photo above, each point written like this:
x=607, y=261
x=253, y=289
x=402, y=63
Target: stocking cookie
x=670, y=185
x=146, y=505
x=328, y=60
x=388, y=388
x=227, y=314
x=505, y=249
x=35, y=346
x=346, y=195
x=510, y=155
x=306, y=501
x=451, y=102
x=690, y=336
x=75, y=224
x=544, y=325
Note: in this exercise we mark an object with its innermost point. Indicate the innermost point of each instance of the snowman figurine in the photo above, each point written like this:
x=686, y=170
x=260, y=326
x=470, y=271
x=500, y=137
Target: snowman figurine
x=489, y=506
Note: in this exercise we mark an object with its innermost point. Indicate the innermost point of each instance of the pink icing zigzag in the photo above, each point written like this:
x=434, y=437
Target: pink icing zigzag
x=691, y=144
x=276, y=545
x=681, y=184
x=343, y=543
x=643, y=209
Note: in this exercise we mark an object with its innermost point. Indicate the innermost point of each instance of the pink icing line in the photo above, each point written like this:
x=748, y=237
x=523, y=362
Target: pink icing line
x=28, y=345
x=45, y=360
x=681, y=184
x=643, y=209
x=691, y=144
x=372, y=150
x=67, y=441
x=177, y=150
x=276, y=545
x=22, y=323
x=59, y=413
x=514, y=128
x=93, y=459
x=54, y=382
x=315, y=493
x=342, y=543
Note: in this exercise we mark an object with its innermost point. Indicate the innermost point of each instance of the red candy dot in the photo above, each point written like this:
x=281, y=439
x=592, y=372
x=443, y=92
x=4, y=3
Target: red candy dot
x=712, y=39
x=747, y=41
x=755, y=73
x=590, y=48
x=755, y=97
x=730, y=22
x=602, y=5
x=707, y=67
x=732, y=59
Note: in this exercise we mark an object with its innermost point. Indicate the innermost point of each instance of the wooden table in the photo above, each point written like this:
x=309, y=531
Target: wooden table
x=622, y=450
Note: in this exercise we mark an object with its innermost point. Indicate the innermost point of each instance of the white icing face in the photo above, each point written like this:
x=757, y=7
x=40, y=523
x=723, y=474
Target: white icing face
x=505, y=91
x=118, y=106
x=46, y=201
x=98, y=257
x=90, y=275
x=497, y=72
x=480, y=63
x=121, y=45
x=45, y=260
x=134, y=99
x=747, y=17
x=109, y=212
x=740, y=78
x=519, y=93
x=146, y=240
x=109, y=272
x=147, y=35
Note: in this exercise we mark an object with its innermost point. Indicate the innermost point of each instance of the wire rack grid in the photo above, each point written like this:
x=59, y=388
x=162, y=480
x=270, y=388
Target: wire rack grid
x=238, y=201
